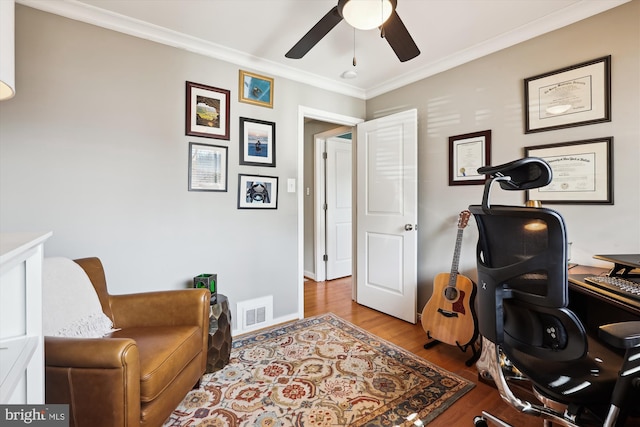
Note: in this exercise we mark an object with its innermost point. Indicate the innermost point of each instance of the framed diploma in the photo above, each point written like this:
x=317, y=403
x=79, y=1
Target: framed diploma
x=574, y=96
x=582, y=172
x=207, y=167
x=467, y=153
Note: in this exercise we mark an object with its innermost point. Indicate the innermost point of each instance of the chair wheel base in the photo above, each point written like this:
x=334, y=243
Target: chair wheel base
x=480, y=422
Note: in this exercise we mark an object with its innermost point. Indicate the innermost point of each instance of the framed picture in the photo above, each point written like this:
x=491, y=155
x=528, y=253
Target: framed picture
x=257, y=142
x=582, y=172
x=255, y=89
x=257, y=192
x=207, y=167
x=574, y=96
x=467, y=153
x=207, y=111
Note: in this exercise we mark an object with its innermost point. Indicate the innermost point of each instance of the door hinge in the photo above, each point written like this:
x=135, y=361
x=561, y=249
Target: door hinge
x=324, y=155
x=325, y=207
x=325, y=257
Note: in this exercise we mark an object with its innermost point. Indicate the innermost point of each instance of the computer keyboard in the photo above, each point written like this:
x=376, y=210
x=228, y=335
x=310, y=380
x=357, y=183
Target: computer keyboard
x=618, y=285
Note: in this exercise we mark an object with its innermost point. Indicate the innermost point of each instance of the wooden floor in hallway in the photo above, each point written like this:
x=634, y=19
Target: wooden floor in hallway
x=335, y=297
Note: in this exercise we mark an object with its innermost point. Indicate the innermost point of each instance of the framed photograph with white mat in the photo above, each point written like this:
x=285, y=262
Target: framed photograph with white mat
x=207, y=111
x=207, y=167
x=257, y=142
x=257, y=192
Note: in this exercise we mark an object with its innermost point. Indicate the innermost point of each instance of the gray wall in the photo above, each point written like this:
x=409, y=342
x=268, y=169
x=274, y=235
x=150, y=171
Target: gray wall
x=93, y=148
x=488, y=94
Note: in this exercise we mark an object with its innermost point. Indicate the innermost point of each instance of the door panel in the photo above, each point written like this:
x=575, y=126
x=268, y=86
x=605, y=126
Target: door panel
x=339, y=200
x=387, y=214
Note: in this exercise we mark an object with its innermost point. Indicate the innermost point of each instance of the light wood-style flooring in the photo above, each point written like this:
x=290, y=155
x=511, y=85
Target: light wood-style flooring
x=335, y=297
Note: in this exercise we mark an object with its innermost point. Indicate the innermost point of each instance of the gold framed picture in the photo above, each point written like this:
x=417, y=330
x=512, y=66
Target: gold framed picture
x=255, y=89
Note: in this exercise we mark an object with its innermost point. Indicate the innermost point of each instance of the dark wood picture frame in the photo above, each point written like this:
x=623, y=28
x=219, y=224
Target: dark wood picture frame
x=207, y=111
x=257, y=142
x=578, y=95
x=467, y=153
x=582, y=172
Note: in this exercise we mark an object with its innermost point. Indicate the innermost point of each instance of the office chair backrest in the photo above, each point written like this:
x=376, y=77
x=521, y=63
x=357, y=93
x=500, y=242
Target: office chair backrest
x=522, y=270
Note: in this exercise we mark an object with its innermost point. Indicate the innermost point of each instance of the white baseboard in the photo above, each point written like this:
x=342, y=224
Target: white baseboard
x=274, y=322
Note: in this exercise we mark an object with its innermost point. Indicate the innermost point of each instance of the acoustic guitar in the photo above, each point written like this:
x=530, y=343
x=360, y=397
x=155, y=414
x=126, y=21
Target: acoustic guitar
x=450, y=315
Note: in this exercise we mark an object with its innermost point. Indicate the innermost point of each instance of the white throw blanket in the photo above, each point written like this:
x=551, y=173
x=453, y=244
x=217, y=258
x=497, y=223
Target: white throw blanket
x=70, y=305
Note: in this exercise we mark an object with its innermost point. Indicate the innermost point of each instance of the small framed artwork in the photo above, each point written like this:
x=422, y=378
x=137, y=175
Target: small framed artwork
x=207, y=167
x=255, y=89
x=574, y=96
x=257, y=142
x=582, y=172
x=257, y=192
x=207, y=111
x=467, y=153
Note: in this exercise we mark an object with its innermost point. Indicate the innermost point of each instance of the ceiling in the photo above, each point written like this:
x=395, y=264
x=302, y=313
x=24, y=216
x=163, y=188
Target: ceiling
x=256, y=34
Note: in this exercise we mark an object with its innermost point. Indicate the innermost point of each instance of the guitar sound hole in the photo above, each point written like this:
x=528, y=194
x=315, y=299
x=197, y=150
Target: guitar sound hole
x=451, y=293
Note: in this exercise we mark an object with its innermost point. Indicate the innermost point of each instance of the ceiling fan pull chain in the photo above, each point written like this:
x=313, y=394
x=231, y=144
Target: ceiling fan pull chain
x=354, y=47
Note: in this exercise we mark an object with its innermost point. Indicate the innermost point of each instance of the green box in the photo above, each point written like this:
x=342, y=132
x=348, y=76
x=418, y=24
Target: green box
x=207, y=281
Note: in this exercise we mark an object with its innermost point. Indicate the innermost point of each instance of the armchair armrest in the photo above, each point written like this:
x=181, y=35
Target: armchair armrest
x=621, y=335
x=82, y=371
x=90, y=353
x=178, y=307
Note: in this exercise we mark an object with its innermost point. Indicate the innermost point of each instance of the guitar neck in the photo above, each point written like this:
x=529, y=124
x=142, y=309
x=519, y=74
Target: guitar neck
x=456, y=259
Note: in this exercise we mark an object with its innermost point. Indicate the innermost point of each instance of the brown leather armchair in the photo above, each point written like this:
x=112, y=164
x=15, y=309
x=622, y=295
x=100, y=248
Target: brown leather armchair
x=137, y=375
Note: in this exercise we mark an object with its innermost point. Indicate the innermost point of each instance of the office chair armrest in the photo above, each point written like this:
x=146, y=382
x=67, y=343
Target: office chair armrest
x=621, y=335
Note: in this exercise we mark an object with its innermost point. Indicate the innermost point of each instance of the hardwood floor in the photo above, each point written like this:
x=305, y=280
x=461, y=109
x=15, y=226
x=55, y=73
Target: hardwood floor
x=335, y=297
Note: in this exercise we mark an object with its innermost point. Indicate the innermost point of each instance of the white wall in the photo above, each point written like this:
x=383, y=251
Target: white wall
x=93, y=148
x=488, y=94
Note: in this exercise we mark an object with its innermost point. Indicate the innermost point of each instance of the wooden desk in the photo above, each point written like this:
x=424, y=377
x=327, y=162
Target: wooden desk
x=596, y=306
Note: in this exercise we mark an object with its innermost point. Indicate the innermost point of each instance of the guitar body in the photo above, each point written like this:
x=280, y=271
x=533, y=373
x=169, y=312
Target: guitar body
x=449, y=317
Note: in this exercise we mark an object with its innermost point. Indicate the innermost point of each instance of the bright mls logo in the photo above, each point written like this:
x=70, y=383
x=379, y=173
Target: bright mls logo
x=36, y=415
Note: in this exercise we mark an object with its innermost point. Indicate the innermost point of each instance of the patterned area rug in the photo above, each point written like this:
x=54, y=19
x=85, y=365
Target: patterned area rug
x=320, y=371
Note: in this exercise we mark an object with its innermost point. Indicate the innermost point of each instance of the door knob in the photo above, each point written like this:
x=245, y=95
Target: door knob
x=408, y=227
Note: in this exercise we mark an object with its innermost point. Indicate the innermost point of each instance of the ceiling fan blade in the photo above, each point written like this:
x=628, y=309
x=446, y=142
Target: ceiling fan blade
x=315, y=34
x=399, y=38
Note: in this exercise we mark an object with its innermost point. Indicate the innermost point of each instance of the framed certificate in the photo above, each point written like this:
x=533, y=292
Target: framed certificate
x=467, y=153
x=582, y=172
x=574, y=96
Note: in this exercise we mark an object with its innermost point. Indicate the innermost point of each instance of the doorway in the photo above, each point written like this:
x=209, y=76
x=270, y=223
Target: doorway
x=385, y=243
x=332, y=196
x=305, y=114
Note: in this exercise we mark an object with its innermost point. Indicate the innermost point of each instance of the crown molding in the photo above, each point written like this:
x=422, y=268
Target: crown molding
x=567, y=16
x=134, y=27
x=83, y=12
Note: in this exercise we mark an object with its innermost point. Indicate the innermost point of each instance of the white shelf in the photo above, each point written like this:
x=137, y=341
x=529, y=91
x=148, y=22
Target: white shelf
x=21, y=340
x=15, y=354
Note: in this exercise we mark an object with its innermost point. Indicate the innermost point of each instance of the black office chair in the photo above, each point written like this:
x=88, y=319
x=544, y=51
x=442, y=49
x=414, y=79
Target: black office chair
x=524, y=319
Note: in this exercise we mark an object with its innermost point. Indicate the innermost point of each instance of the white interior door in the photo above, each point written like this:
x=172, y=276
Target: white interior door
x=387, y=214
x=338, y=207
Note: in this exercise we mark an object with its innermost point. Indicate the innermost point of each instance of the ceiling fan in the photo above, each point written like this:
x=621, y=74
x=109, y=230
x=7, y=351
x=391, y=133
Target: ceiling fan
x=363, y=15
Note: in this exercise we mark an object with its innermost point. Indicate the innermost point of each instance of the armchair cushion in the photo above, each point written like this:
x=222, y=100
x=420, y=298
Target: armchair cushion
x=70, y=305
x=164, y=353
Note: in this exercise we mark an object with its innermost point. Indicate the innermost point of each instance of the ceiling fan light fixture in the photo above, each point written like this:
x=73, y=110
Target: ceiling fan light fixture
x=366, y=14
x=349, y=74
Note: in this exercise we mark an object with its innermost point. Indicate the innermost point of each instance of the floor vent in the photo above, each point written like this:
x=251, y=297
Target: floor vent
x=256, y=313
